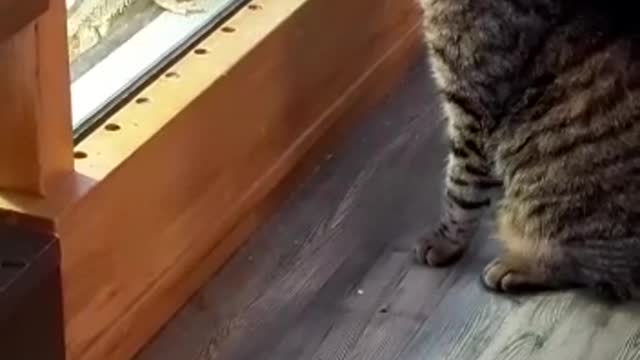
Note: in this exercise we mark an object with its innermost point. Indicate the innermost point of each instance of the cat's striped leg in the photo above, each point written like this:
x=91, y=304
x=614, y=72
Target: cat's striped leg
x=468, y=192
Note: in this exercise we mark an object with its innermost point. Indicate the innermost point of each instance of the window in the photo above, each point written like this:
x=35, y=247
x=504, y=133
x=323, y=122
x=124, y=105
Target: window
x=114, y=45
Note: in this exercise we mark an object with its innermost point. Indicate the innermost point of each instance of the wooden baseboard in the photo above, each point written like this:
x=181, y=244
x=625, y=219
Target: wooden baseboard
x=197, y=160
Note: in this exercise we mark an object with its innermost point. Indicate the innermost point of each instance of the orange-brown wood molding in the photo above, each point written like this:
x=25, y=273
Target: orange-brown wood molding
x=35, y=126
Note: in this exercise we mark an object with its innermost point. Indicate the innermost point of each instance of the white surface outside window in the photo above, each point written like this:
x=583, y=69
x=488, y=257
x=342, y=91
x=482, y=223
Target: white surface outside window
x=140, y=38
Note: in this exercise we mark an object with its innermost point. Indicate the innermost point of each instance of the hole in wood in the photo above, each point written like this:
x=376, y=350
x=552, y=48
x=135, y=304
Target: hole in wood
x=384, y=310
x=201, y=51
x=80, y=155
x=142, y=100
x=12, y=264
x=112, y=127
x=172, y=75
x=228, y=29
x=254, y=7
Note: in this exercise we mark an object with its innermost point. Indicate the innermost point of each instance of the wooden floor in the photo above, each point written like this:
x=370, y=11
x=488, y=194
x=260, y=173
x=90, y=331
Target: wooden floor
x=332, y=275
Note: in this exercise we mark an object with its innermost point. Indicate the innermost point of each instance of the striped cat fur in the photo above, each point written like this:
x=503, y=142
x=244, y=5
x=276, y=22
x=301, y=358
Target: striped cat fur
x=542, y=100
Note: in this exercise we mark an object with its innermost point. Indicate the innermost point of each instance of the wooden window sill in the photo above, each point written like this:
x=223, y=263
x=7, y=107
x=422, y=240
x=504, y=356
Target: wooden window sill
x=178, y=178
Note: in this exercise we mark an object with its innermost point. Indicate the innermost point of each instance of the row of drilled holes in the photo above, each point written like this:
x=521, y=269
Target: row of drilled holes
x=112, y=127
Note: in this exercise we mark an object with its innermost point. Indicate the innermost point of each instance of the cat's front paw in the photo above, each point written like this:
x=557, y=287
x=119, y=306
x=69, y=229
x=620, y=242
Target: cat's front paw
x=434, y=249
x=499, y=275
x=512, y=275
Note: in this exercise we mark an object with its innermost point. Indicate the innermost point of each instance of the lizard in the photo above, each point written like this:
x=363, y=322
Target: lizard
x=90, y=21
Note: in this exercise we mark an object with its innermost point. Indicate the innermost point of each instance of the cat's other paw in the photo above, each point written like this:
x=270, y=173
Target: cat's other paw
x=504, y=274
x=434, y=249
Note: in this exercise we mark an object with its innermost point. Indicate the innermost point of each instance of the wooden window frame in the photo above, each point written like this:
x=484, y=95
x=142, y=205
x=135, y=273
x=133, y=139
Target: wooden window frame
x=177, y=179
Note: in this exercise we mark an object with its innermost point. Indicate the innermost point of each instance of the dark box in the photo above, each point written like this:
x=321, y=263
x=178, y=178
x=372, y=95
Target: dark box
x=31, y=317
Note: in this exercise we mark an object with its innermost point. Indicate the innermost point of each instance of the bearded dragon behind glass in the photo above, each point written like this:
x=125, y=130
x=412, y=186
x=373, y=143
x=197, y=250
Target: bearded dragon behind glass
x=90, y=21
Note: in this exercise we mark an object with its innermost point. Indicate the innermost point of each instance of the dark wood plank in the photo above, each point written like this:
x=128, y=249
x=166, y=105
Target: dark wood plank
x=464, y=321
x=362, y=301
x=343, y=244
x=630, y=349
x=585, y=333
x=346, y=209
x=528, y=326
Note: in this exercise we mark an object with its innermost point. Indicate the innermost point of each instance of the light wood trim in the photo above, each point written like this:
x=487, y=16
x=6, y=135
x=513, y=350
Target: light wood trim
x=161, y=203
x=36, y=146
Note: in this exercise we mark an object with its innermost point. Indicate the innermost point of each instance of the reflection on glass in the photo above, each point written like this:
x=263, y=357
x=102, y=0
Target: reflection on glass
x=114, y=44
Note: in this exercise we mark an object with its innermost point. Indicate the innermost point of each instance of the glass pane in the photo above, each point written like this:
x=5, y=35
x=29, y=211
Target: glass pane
x=115, y=44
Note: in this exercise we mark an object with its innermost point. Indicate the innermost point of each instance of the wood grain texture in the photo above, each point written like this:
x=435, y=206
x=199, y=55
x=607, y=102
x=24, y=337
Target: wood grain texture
x=159, y=204
x=35, y=131
x=16, y=15
x=331, y=275
x=315, y=254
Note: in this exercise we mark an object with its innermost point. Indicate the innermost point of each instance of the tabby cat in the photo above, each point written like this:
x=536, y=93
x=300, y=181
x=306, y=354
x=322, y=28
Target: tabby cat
x=542, y=99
